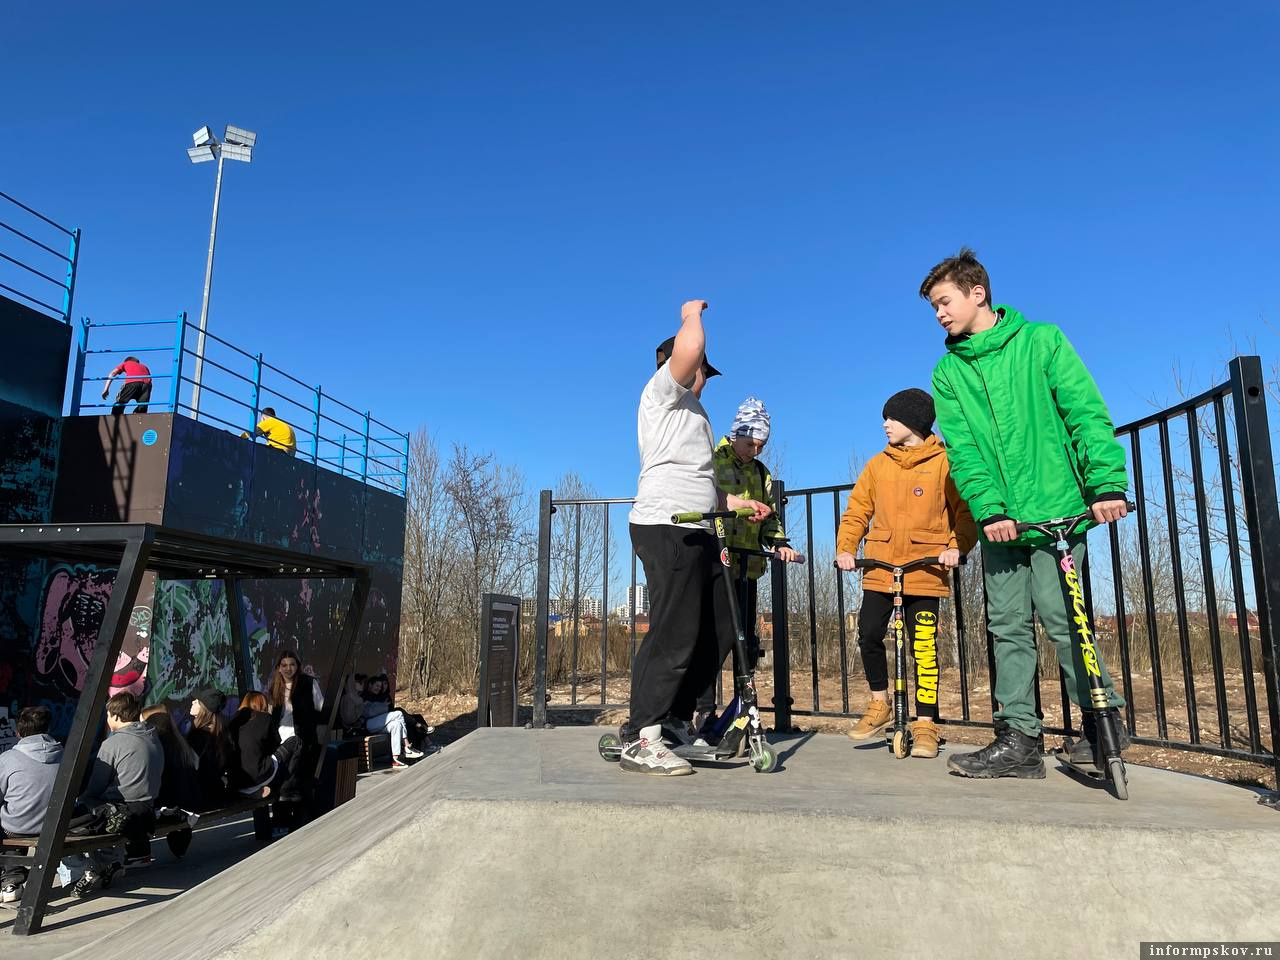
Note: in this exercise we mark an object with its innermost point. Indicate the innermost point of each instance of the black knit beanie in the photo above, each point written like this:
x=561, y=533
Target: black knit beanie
x=211, y=699
x=912, y=408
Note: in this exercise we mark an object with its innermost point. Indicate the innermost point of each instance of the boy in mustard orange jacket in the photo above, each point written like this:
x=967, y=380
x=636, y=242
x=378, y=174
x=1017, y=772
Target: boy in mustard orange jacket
x=906, y=507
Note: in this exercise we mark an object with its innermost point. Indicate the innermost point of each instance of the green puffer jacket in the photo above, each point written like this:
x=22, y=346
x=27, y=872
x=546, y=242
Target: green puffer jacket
x=1028, y=434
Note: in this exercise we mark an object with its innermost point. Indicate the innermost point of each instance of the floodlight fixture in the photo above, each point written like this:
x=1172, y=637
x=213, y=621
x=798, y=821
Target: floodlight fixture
x=237, y=144
x=234, y=151
x=245, y=138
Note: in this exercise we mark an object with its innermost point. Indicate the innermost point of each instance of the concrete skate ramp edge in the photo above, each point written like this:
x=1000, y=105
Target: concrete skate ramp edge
x=412, y=869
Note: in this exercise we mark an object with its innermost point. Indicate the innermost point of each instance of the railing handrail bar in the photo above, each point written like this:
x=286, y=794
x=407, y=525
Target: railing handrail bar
x=289, y=376
x=215, y=363
x=586, y=502
x=33, y=240
x=128, y=323
x=1177, y=409
x=30, y=269
x=27, y=296
x=217, y=392
x=814, y=491
x=128, y=350
x=36, y=213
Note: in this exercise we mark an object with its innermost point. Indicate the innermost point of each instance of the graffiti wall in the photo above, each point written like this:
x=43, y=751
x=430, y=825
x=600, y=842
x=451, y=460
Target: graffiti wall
x=164, y=469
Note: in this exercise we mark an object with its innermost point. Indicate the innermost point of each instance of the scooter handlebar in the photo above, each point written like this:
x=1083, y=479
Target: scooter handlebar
x=695, y=516
x=863, y=563
x=1068, y=523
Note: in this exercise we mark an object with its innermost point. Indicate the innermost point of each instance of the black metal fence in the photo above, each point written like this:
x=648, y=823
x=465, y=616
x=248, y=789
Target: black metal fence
x=1184, y=596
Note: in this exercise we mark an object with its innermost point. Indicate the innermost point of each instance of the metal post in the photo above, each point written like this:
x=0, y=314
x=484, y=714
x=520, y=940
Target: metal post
x=257, y=396
x=1262, y=520
x=342, y=456
x=77, y=378
x=844, y=656
x=239, y=639
x=84, y=730
x=69, y=293
x=781, y=642
x=204, y=302
x=315, y=427
x=364, y=474
x=342, y=660
x=577, y=555
x=404, y=471
x=179, y=344
x=604, y=619
x=545, y=509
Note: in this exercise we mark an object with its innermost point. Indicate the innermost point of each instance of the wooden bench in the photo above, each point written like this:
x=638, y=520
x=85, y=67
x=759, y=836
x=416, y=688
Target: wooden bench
x=377, y=746
x=167, y=827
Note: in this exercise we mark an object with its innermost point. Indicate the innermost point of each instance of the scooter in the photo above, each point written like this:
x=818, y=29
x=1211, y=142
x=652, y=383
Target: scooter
x=1108, y=763
x=900, y=739
x=746, y=717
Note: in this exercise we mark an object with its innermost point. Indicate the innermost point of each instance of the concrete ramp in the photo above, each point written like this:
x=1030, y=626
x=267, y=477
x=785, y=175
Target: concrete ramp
x=513, y=843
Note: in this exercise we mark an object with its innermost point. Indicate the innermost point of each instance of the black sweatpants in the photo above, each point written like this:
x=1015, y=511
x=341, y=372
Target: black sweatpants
x=724, y=633
x=139, y=391
x=920, y=616
x=680, y=654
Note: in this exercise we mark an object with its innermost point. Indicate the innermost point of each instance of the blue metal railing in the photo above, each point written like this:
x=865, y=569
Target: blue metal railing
x=32, y=257
x=235, y=387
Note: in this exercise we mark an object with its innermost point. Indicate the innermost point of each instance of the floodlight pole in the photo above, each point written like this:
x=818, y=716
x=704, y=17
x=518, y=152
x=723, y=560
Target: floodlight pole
x=204, y=305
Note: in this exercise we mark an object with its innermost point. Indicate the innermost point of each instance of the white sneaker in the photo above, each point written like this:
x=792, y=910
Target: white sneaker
x=413, y=754
x=654, y=759
x=11, y=893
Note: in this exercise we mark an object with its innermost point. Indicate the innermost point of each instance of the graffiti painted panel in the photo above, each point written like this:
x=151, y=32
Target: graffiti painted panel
x=28, y=463
x=192, y=647
x=383, y=526
x=286, y=510
x=342, y=501
x=210, y=479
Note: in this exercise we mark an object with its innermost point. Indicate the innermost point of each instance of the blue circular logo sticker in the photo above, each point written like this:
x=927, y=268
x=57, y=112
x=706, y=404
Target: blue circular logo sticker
x=149, y=438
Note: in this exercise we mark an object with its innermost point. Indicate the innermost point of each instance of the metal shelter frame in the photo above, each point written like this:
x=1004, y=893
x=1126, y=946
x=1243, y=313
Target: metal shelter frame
x=171, y=554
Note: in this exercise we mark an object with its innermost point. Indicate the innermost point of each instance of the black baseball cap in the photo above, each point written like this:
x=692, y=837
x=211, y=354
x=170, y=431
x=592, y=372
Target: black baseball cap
x=669, y=344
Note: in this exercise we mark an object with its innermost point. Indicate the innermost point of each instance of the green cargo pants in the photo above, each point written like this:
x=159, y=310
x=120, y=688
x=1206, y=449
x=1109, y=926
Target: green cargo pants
x=1019, y=580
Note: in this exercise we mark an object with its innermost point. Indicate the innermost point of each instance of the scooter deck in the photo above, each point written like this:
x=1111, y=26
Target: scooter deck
x=694, y=754
x=1092, y=772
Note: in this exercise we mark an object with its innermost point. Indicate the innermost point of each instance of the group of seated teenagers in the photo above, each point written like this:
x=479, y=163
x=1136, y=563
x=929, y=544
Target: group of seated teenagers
x=147, y=766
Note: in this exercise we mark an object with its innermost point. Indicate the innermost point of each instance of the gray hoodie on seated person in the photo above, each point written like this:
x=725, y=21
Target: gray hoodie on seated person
x=27, y=773
x=128, y=767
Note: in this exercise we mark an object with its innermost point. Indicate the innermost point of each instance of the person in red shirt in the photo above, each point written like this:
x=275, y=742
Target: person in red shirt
x=137, y=386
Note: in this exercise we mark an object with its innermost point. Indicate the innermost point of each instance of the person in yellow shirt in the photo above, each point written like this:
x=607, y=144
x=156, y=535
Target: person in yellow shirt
x=277, y=433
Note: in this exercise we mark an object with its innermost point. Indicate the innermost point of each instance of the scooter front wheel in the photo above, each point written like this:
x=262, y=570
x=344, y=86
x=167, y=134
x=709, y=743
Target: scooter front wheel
x=901, y=744
x=763, y=758
x=1119, y=779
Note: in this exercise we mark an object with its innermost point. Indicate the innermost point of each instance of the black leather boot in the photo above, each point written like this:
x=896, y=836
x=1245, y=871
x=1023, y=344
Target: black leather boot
x=1011, y=754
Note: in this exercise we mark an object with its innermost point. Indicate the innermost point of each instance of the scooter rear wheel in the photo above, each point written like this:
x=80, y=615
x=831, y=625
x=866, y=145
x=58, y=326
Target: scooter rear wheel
x=610, y=747
x=901, y=744
x=1119, y=779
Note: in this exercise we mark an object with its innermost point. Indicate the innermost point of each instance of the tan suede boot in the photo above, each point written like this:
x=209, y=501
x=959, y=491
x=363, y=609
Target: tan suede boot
x=924, y=738
x=875, y=718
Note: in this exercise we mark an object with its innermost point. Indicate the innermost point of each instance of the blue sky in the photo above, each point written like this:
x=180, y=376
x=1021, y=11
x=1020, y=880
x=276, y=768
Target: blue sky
x=483, y=220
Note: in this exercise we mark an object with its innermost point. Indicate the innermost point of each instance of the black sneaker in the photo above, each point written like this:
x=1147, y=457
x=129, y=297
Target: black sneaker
x=11, y=891
x=1084, y=750
x=1011, y=754
x=86, y=885
x=677, y=732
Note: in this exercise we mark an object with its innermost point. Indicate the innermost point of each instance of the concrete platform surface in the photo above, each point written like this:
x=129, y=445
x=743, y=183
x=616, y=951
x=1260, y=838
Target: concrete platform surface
x=515, y=843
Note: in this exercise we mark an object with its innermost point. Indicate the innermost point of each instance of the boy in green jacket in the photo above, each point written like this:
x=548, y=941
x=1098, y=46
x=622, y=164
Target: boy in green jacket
x=1029, y=438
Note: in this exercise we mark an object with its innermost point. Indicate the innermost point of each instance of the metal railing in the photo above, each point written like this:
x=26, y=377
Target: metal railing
x=1184, y=595
x=235, y=387
x=28, y=264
